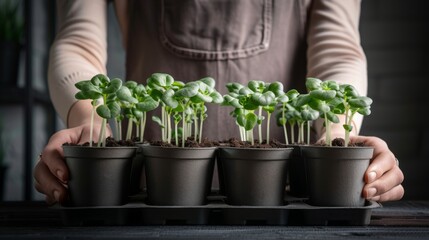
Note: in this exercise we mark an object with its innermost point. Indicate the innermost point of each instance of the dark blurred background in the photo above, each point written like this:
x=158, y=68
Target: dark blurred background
x=394, y=34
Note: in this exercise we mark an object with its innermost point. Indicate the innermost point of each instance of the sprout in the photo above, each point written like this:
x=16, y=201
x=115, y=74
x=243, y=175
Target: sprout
x=352, y=103
x=330, y=98
x=113, y=99
x=294, y=111
x=256, y=96
x=323, y=96
x=100, y=89
x=183, y=103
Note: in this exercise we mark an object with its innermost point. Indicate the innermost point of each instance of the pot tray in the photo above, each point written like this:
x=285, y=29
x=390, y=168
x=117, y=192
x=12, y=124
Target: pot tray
x=295, y=212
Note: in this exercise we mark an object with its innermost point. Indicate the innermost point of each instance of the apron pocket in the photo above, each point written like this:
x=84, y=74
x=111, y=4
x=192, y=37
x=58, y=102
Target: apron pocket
x=216, y=29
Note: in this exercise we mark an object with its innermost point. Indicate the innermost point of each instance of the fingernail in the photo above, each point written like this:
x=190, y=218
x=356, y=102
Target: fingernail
x=57, y=195
x=371, y=192
x=371, y=177
x=60, y=175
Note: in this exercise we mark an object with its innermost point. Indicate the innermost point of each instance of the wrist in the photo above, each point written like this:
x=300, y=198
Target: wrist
x=80, y=114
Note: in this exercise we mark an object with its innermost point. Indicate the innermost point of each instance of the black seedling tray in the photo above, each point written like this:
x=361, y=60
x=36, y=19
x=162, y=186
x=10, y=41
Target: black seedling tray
x=295, y=212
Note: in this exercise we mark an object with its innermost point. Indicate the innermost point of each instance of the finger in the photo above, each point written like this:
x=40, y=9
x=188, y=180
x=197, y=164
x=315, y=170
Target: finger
x=53, y=154
x=48, y=184
x=383, y=159
x=379, y=145
x=53, y=160
x=384, y=184
x=380, y=164
x=394, y=194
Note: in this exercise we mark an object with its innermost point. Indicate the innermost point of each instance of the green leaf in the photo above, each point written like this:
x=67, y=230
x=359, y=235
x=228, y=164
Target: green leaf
x=103, y=111
x=137, y=113
x=234, y=87
x=281, y=121
x=365, y=111
x=216, y=97
x=292, y=94
x=114, y=86
x=276, y=88
x=160, y=80
x=360, y=102
x=283, y=99
x=309, y=114
x=256, y=85
x=313, y=83
x=168, y=99
x=332, y=117
x=100, y=79
x=158, y=121
x=251, y=121
x=348, y=128
x=115, y=108
x=91, y=91
x=130, y=84
x=208, y=81
x=81, y=96
x=349, y=90
x=140, y=90
x=148, y=104
x=302, y=100
x=201, y=98
x=245, y=91
x=80, y=84
x=331, y=85
x=263, y=99
x=124, y=94
x=319, y=106
x=241, y=119
x=188, y=91
x=323, y=95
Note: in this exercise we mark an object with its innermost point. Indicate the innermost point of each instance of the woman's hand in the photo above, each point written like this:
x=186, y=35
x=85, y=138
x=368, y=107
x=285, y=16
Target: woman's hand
x=383, y=178
x=51, y=173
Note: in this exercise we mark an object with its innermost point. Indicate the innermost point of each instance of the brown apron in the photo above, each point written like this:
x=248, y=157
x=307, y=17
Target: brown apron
x=231, y=41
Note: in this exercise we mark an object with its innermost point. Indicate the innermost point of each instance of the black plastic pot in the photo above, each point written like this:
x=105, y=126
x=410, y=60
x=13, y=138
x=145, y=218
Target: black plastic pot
x=336, y=174
x=99, y=176
x=9, y=62
x=178, y=176
x=254, y=176
x=298, y=186
x=137, y=171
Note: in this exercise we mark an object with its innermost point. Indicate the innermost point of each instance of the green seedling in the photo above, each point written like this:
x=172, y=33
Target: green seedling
x=100, y=90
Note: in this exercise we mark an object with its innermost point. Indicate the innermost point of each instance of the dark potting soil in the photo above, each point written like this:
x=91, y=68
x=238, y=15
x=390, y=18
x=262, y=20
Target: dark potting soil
x=340, y=142
x=110, y=142
x=234, y=142
x=189, y=142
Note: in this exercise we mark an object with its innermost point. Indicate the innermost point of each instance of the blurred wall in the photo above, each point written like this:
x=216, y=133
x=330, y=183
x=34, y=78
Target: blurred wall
x=395, y=37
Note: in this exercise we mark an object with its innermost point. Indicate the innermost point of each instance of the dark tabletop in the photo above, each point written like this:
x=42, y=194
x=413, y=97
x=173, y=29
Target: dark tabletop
x=35, y=220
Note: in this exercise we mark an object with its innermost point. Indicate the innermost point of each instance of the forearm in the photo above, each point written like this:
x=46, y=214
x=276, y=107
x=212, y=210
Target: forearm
x=334, y=49
x=78, y=52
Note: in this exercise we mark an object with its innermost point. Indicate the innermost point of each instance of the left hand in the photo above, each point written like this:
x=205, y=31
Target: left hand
x=383, y=178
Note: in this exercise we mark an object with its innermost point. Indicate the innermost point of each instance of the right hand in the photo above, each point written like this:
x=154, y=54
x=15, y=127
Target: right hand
x=51, y=173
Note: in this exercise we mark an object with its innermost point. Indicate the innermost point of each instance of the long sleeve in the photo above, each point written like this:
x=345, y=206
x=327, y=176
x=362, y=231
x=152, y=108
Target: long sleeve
x=79, y=50
x=334, y=49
